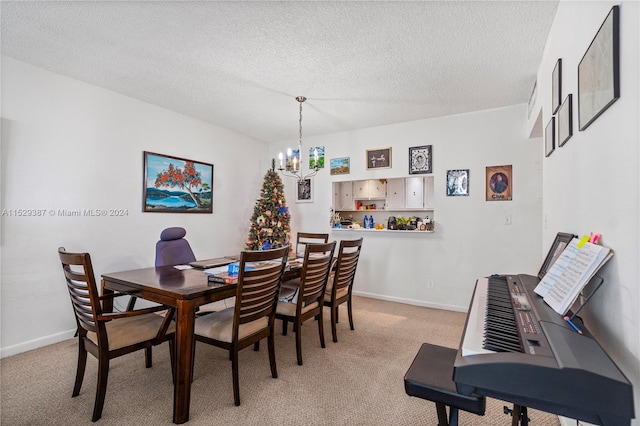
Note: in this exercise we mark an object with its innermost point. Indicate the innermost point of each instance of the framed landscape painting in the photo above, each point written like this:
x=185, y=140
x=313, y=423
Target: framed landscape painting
x=176, y=185
x=340, y=166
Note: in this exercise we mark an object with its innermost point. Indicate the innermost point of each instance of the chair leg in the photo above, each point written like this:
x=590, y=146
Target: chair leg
x=234, y=373
x=82, y=363
x=321, y=329
x=442, y=414
x=334, y=320
x=285, y=324
x=101, y=391
x=298, y=328
x=148, y=357
x=256, y=346
x=271, y=343
x=350, y=312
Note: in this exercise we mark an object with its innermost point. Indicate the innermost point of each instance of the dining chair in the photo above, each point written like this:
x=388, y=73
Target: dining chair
x=311, y=287
x=302, y=238
x=173, y=248
x=109, y=335
x=253, y=316
x=289, y=290
x=340, y=283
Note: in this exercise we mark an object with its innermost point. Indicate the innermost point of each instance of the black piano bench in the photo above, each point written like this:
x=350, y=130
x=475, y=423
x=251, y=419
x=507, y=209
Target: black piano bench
x=431, y=377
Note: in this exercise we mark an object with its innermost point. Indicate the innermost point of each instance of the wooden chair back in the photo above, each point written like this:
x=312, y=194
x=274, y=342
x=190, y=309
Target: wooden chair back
x=258, y=287
x=345, y=269
x=304, y=238
x=85, y=299
x=315, y=273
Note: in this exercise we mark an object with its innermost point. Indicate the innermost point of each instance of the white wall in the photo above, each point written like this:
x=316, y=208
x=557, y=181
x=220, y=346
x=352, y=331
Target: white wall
x=70, y=145
x=471, y=238
x=591, y=184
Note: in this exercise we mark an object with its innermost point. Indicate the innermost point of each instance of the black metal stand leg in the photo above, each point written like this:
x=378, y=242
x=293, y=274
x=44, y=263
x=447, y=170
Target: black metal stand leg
x=519, y=415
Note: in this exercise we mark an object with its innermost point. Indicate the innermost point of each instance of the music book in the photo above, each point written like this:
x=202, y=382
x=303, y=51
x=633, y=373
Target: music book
x=571, y=271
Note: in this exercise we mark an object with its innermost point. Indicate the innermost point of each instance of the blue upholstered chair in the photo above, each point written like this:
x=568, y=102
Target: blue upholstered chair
x=173, y=249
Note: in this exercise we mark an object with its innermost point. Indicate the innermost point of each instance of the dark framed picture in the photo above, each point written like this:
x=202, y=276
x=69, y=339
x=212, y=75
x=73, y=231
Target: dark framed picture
x=556, y=86
x=599, y=71
x=379, y=158
x=340, y=166
x=565, y=120
x=176, y=185
x=550, y=137
x=457, y=182
x=420, y=160
x=305, y=191
x=499, y=183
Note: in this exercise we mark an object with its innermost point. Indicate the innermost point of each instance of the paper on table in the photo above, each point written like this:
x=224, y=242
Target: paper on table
x=183, y=267
x=570, y=273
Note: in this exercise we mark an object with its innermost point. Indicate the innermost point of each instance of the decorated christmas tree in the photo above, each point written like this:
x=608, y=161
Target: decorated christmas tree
x=270, y=220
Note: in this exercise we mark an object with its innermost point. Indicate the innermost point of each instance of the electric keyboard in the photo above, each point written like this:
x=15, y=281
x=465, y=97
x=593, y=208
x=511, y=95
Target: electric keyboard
x=517, y=349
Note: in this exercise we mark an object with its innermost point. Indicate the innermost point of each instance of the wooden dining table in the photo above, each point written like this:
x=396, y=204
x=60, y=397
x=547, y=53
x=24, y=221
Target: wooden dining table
x=184, y=289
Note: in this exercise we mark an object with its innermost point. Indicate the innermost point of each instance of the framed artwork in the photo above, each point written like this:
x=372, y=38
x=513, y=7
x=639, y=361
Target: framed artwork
x=379, y=158
x=565, y=121
x=556, y=86
x=599, y=71
x=499, y=183
x=420, y=160
x=305, y=191
x=176, y=185
x=457, y=182
x=316, y=155
x=340, y=166
x=293, y=160
x=550, y=137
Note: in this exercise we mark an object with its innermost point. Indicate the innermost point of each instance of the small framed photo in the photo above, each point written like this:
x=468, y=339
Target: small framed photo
x=176, y=185
x=379, y=158
x=457, y=182
x=499, y=183
x=556, y=86
x=305, y=191
x=599, y=71
x=420, y=160
x=340, y=166
x=550, y=137
x=565, y=121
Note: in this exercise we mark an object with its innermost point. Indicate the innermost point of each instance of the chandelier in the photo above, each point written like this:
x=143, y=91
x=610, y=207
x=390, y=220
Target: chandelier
x=293, y=166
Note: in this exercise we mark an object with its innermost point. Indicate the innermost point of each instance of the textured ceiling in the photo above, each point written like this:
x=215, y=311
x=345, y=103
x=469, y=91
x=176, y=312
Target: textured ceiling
x=240, y=65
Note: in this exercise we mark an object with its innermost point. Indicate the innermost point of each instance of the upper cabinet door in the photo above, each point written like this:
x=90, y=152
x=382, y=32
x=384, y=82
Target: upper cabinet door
x=414, y=196
x=346, y=196
x=395, y=194
x=377, y=189
x=361, y=189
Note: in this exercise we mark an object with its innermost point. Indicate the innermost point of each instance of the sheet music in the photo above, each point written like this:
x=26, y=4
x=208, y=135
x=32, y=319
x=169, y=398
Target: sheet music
x=570, y=273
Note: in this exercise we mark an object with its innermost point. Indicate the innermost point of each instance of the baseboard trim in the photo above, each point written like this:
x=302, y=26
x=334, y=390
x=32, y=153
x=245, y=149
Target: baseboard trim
x=412, y=302
x=36, y=343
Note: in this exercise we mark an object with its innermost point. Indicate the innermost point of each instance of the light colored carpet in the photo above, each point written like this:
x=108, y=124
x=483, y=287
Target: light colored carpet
x=357, y=381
